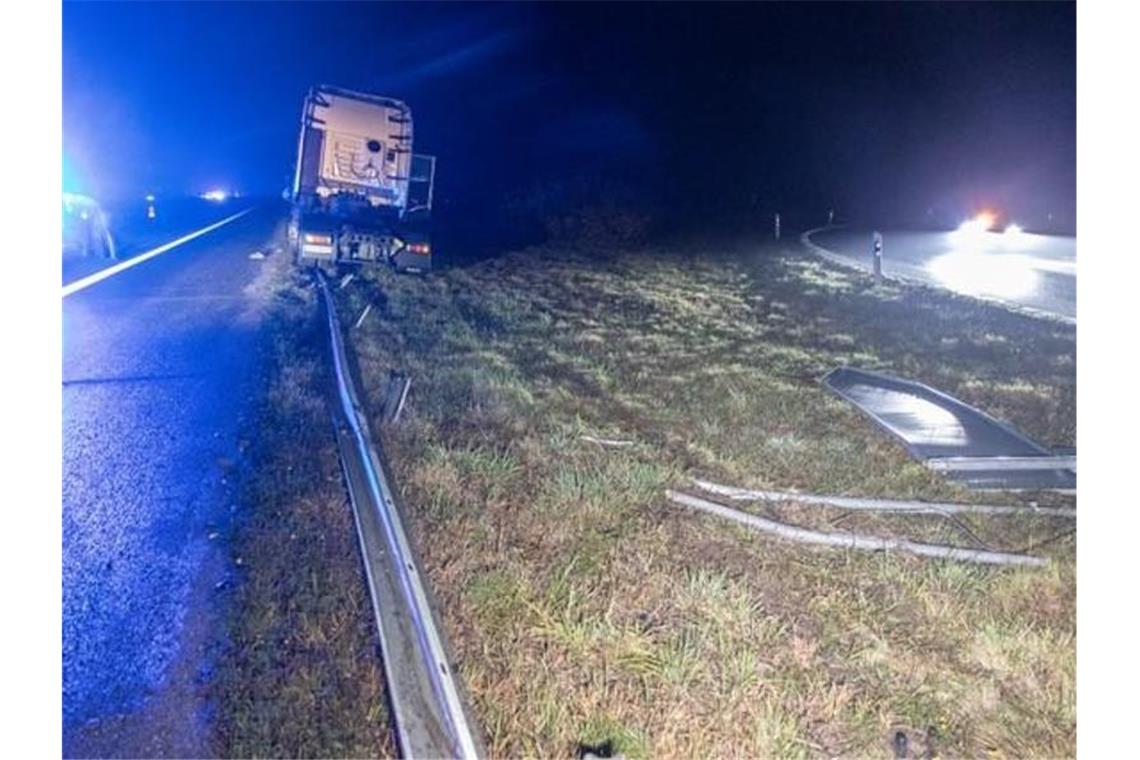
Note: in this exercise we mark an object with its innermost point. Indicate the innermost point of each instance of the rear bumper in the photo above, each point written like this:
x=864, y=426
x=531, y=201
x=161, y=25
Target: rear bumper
x=321, y=239
x=315, y=251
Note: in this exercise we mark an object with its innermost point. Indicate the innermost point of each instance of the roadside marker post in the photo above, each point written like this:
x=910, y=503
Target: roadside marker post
x=777, y=226
x=830, y=217
x=877, y=256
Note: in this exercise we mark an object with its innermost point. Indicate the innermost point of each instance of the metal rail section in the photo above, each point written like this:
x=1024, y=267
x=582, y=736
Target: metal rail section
x=952, y=437
x=1005, y=464
x=423, y=689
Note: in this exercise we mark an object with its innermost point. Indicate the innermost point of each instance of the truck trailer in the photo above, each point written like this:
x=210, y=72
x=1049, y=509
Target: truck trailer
x=360, y=194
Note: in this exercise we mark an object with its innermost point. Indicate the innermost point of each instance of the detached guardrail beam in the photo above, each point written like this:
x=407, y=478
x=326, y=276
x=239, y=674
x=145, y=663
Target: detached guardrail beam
x=879, y=505
x=1002, y=464
x=857, y=541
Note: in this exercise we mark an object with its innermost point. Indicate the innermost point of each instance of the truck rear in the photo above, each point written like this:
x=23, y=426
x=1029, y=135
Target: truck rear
x=360, y=194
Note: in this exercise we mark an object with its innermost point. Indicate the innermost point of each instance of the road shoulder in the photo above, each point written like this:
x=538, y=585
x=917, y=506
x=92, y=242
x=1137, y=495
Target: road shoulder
x=301, y=674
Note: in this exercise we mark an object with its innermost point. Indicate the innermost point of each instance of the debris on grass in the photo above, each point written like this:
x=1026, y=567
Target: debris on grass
x=396, y=396
x=939, y=429
x=363, y=315
x=854, y=540
x=880, y=505
x=613, y=442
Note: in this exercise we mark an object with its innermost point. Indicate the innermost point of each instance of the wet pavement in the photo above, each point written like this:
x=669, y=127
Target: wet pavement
x=134, y=231
x=1028, y=271
x=160, y=367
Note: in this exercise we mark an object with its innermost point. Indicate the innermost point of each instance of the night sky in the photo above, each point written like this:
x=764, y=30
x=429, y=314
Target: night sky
x=889, y=110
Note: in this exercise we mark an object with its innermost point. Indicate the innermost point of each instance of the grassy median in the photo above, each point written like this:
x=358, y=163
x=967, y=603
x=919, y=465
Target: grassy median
x=301, y=676
x=586, y=611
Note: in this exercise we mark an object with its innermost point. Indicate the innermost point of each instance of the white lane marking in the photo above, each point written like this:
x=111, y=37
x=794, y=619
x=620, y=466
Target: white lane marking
x=110, y=271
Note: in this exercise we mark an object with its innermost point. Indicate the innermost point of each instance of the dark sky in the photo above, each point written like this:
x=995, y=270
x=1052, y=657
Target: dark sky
x=874, y=107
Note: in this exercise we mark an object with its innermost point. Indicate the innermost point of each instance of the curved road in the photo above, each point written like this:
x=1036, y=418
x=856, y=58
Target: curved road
x=1027, y=271
x=160, y=364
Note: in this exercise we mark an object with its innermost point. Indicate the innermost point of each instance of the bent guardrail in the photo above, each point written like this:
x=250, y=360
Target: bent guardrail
x=423, y=689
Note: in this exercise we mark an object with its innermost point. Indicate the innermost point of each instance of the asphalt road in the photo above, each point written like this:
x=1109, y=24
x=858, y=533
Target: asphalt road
x=133, y=232
x=1037, y=272
x=161, y=363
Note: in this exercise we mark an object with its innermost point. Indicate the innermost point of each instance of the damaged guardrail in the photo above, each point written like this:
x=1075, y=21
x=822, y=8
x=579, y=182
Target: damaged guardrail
x=423, y=689
x=852, y=540
x=880, y=505
x=950, y=436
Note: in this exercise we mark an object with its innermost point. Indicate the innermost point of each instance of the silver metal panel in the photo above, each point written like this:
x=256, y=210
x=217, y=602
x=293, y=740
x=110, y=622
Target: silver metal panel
x=935, y=426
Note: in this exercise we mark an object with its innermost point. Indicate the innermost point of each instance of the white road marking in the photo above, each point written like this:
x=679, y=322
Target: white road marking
x=102, y=274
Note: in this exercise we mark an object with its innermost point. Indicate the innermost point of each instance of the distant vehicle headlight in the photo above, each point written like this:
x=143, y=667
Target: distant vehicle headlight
x=985, y=220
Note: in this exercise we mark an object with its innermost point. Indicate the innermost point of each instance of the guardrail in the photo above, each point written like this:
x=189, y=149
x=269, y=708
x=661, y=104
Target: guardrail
x=424, y=692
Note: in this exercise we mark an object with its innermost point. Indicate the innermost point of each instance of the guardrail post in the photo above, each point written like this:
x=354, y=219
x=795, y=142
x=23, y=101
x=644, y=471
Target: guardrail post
x=877, y=256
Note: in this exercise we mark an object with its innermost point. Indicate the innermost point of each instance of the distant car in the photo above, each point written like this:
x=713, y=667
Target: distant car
x=85, y=232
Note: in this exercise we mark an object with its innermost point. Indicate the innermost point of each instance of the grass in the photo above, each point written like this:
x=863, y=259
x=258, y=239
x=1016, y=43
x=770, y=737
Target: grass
x=302, y=675
x=587, y=612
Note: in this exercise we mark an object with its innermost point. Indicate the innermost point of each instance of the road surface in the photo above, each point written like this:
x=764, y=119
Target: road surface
x=160, y=365
x=1027, y=271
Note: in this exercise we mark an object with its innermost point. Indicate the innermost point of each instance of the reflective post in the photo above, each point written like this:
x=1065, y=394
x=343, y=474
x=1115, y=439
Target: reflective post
x=877, y=256
x=830, y=216
x=777, y=226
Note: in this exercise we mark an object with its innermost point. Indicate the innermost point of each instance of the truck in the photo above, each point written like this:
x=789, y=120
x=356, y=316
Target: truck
x=360, y=194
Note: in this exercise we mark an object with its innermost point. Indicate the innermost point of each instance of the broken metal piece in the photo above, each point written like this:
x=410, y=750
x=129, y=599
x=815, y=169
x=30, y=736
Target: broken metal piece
x=363, y=314
x=880, y=505
x=944, y=432
x=973, y=464
x=607, y=441
x=396, y=396
x=853, y=540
